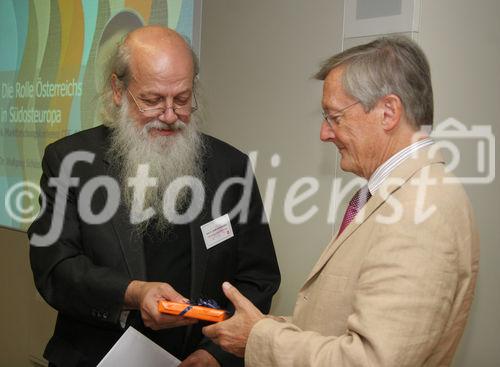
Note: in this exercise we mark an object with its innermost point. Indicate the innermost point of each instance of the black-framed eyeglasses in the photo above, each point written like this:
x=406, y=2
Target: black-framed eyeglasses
x=160, y=108
x=334, y=119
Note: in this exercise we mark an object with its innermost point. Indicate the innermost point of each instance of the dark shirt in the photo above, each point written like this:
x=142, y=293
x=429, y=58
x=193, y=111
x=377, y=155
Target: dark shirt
x=168, y=259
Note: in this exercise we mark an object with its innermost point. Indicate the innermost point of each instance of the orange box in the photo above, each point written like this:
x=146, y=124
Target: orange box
x=195, y=312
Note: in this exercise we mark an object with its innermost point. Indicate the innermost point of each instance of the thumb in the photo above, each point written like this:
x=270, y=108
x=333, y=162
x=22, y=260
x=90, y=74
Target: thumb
x=237, y=299
x=170, y=294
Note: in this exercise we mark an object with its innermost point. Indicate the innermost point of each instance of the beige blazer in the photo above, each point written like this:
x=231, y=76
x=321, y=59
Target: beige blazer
x=394, y=289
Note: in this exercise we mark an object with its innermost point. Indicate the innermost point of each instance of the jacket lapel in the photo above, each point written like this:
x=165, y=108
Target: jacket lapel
x=369, y=208
x=396, y=179
x=199, y=253
x=130, y=243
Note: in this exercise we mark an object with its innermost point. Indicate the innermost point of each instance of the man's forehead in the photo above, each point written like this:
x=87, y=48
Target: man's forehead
x=334, y=77
x=333, y=91
x=148, y=65
x=170, y=74
x=163, y=56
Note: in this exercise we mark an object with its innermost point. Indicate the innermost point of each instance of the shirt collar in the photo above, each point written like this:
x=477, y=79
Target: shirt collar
x=385, y=169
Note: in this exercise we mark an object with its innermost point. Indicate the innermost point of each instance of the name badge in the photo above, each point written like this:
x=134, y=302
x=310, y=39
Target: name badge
x=217, y=231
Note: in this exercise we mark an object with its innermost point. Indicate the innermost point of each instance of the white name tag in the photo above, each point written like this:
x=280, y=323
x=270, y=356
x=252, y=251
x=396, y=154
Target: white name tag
x=217, y=231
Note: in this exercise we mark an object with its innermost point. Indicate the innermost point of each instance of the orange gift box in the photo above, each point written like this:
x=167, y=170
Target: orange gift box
x=196, y=312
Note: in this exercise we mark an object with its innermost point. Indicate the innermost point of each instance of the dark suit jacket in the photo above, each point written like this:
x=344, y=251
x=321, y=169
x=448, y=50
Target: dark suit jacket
x=85, y=273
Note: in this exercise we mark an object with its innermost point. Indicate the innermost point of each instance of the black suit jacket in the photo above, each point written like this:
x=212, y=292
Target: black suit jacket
x=85, y=273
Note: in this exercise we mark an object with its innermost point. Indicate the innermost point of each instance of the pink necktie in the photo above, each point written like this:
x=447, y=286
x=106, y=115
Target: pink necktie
x=358, y=200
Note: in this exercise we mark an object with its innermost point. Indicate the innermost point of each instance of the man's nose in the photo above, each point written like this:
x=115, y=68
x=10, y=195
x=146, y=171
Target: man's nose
x=169, y=116
x=326, y=132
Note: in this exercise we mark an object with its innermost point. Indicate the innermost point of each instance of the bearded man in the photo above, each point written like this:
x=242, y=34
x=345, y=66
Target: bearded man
x=104, y=275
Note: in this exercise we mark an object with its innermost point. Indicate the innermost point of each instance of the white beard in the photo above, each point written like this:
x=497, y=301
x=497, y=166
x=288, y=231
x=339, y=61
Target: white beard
x=168, y=157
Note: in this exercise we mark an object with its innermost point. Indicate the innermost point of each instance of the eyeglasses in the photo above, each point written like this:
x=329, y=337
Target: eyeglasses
x=335, y=118
x=157, y=109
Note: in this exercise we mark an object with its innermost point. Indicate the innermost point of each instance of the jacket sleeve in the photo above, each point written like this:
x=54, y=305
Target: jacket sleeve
x=401, y=306
x=64, y=272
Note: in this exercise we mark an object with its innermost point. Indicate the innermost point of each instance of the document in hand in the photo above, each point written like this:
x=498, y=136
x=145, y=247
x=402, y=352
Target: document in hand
x=134, y=349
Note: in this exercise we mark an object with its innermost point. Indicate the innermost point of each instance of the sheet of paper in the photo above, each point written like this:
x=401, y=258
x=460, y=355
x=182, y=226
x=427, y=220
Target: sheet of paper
x=134, y=349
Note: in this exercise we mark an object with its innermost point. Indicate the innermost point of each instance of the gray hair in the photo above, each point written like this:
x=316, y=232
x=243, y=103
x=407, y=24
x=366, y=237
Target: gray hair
x=389, y=65
x=119, y=64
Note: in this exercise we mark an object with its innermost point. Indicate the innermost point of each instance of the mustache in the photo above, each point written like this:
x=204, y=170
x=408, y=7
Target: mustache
x=157, y=124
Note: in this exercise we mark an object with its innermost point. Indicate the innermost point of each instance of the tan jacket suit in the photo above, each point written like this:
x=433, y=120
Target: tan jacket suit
x=394, y=289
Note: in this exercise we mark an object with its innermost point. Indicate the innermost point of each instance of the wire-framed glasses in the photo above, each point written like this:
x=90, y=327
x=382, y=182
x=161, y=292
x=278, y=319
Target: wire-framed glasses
x=334, y=119
x=159, y=108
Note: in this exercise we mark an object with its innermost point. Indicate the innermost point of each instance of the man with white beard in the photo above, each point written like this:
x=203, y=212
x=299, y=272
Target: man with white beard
x=167, y=158
x=103, y=276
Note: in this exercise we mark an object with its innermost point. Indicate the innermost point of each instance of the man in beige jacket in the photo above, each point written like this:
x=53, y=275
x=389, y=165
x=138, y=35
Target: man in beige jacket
x=394, y=287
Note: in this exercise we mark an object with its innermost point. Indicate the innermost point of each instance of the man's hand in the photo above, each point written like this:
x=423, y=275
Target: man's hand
x=232, y=334
x=200, y=358
x=144, y=296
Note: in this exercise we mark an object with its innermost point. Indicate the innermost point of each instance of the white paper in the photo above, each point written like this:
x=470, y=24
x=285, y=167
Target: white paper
x=134, y=349
x=217, y=231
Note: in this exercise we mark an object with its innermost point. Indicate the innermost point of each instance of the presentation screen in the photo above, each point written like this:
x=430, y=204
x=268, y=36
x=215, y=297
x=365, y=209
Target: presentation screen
x=50, y=75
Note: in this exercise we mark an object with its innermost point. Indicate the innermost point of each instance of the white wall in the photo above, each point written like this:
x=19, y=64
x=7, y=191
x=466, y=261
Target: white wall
x=462, y=41
x=257, y=59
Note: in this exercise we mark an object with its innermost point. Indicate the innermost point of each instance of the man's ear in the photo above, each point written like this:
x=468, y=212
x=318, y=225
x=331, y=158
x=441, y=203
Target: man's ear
x=117, y=92
x=392, y=108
